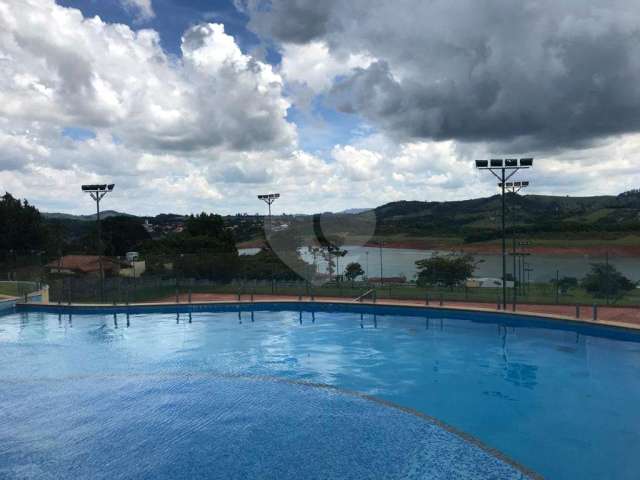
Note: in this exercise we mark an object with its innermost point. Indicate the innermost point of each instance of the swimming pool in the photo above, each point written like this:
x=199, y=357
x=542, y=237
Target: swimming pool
x=91, y=390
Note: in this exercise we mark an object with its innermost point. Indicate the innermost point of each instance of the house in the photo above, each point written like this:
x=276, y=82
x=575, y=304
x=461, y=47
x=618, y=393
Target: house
x=81, y=265
x=133, y=268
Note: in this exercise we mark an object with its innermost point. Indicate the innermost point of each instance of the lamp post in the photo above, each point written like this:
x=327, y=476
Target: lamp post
x=499, y=169
x=366, y=254
x=514, y=188
x=97, y=193
x=380, y=244
x=269, y=198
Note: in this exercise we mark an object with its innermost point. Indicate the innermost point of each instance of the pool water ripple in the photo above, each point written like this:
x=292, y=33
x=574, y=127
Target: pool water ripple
x=562, y=401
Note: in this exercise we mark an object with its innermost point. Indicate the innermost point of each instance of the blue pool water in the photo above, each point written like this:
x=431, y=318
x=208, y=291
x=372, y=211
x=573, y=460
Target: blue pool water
x=90, y=392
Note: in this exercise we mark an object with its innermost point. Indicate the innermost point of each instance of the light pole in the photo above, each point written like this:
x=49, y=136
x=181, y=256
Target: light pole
x=366, y=254
x=381, y=275
x=514, y=188
x=499, y=168
x=521, y=256
x=97, y=193
x=269, y=198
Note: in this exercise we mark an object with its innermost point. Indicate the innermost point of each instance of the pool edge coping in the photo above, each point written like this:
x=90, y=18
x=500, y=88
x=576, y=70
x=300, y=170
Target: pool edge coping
x=326, y=300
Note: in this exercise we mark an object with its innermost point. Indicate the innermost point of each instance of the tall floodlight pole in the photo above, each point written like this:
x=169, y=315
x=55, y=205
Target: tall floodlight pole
x=269, y=198
x=499, y=169
x=97, y=193
x=513, y=188
x=366, y=254
x=380, y=244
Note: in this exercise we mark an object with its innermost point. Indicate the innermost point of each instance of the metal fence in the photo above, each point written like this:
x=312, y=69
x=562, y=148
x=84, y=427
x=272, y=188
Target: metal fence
x=169, y=277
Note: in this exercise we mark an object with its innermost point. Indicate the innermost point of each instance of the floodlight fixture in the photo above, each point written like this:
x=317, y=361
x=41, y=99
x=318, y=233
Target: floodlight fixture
x=508, y=163
x=526, y=162
x=269, y=197
x=98, y=188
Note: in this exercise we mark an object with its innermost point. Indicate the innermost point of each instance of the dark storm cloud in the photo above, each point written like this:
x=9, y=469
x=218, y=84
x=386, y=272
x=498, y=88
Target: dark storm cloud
x=558, y=73
x=294, y=21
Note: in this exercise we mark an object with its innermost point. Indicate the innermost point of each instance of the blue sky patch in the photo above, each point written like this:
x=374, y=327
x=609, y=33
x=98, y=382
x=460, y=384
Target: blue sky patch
x=78, y=134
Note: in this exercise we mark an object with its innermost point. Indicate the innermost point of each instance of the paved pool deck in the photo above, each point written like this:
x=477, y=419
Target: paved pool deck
x=625, y=317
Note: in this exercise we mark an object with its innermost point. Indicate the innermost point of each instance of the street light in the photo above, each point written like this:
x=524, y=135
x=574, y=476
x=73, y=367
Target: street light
x=97, y=193
x=269, y=198
x=499, y=167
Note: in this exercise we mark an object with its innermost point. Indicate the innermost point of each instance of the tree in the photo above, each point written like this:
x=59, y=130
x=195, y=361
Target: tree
x=332, y=249
x=448, y=270
x=604, y=280
x=206, y=249
x=353, y=271
x=269, y=265
x=122, y=234
x=21, y=227
x=205, y=224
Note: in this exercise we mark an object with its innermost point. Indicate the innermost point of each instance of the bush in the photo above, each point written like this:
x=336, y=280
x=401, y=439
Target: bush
x=605, y=280
x=449, y=270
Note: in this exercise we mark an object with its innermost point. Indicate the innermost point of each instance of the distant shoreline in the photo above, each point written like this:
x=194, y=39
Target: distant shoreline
x=493, y=249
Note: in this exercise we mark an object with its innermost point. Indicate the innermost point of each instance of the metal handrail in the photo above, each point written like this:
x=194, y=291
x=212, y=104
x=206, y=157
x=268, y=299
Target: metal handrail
x=357, y=299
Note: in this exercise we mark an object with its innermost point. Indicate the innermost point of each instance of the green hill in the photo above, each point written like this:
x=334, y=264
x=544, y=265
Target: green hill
x=480, y=219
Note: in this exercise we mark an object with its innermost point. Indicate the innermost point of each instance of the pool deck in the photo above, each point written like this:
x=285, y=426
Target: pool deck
x=620, y=317
x=627, y=317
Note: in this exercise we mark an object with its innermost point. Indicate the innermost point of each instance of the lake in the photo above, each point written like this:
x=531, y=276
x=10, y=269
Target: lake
x=401, y=262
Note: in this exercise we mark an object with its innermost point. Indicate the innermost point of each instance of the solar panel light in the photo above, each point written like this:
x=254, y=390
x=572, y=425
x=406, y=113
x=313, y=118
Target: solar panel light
x=511, y=162
x=497, y=162
x=482, y=163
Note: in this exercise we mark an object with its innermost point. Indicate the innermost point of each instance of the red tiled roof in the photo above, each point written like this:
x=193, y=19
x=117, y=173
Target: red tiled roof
x=82, y=263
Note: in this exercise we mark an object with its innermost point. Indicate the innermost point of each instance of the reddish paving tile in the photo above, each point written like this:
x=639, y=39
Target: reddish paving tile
x=630, y=316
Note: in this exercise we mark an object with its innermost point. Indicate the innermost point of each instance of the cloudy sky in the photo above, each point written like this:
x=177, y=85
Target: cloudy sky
x=191, y=105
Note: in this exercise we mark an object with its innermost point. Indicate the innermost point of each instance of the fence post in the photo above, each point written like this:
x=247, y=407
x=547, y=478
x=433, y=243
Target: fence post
x=577, y=311
x=441, y=299
x=426, y=298
x=595, y=312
